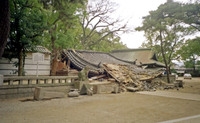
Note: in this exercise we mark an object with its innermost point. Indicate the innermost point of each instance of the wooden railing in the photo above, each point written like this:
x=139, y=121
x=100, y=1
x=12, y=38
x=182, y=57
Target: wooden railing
x=30, y=80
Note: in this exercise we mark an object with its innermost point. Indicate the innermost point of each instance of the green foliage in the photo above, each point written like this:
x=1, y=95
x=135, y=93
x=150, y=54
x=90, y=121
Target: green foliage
x=190, y=52
x=27, y=25
x=189, y=14
x=64, y=24
x=164, y=34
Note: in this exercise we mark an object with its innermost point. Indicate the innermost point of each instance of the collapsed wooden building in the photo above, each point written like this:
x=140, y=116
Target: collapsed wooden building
x=79, y=59
x=120, y=65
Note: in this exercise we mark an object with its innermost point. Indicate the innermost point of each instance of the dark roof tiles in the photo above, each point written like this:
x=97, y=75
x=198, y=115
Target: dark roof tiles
x=92, y=59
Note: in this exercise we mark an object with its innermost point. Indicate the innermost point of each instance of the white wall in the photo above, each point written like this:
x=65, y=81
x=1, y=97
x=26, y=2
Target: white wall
x=7, y=67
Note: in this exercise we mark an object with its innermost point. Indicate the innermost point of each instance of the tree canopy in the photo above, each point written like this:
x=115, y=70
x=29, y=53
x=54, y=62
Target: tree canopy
x=167, y=27
x=27, y=23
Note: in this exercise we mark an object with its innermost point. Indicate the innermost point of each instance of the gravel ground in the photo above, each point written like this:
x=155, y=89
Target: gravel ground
x=106, y=108
x=190, y=85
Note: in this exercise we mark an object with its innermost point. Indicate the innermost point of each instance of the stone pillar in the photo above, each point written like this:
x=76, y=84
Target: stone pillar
x=38, y=93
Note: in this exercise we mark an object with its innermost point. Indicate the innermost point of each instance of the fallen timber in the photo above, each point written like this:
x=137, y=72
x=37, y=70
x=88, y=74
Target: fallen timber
x=135, y=78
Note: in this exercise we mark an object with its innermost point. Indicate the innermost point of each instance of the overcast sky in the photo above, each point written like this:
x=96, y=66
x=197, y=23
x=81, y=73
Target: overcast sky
x=133, y=11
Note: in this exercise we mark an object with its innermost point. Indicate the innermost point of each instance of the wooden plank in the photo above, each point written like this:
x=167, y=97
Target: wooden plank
x=97, y=77
x=109, y=72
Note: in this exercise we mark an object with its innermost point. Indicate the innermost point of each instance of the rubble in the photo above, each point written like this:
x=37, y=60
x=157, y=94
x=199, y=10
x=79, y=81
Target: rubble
x=133, y=78
x=119, y=67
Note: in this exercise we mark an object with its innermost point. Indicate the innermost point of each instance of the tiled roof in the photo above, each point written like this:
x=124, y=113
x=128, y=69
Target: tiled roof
x=93, y=59
x=40, y=49
x=141, y=56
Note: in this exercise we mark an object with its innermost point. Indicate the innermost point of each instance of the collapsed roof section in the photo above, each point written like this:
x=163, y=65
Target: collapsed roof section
x=141, y=57
x=94, y=60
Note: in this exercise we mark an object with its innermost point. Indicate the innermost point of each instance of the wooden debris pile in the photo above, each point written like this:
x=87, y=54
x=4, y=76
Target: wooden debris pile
x=131, y=78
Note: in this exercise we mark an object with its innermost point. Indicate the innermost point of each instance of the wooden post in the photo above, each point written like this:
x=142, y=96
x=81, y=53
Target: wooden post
x=68, y=65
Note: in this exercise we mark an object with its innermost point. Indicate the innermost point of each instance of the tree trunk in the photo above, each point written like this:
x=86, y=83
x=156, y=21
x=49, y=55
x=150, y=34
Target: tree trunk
x=20, y=63
x=4, y=24
x=163, y=55
x=54, y=55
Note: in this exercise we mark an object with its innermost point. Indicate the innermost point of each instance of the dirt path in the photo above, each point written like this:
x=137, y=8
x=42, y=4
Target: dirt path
x=190, y=86
x=107, y=108
x=178, y=95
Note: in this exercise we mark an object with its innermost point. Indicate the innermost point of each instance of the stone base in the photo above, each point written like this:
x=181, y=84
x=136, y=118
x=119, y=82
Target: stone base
x=40, y=94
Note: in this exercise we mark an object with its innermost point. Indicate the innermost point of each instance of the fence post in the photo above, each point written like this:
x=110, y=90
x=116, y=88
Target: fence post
x=45, y=81
x=30, y=81
x=10, y=82
x=20, y=82
x=1, y=79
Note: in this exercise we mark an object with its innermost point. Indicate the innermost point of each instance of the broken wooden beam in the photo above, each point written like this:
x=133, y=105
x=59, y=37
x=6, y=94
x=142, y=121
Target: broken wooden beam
x=97, y=77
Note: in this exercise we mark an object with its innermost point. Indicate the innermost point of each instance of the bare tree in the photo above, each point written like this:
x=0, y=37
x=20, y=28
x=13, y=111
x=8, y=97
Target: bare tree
x=96, y=20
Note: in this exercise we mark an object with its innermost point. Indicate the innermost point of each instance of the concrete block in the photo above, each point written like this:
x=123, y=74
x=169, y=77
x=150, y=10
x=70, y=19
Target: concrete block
x=25, y=90
x=40, y=94
x=96, y=89
x=107, y=88
x=8, y=91
x=11, y=96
